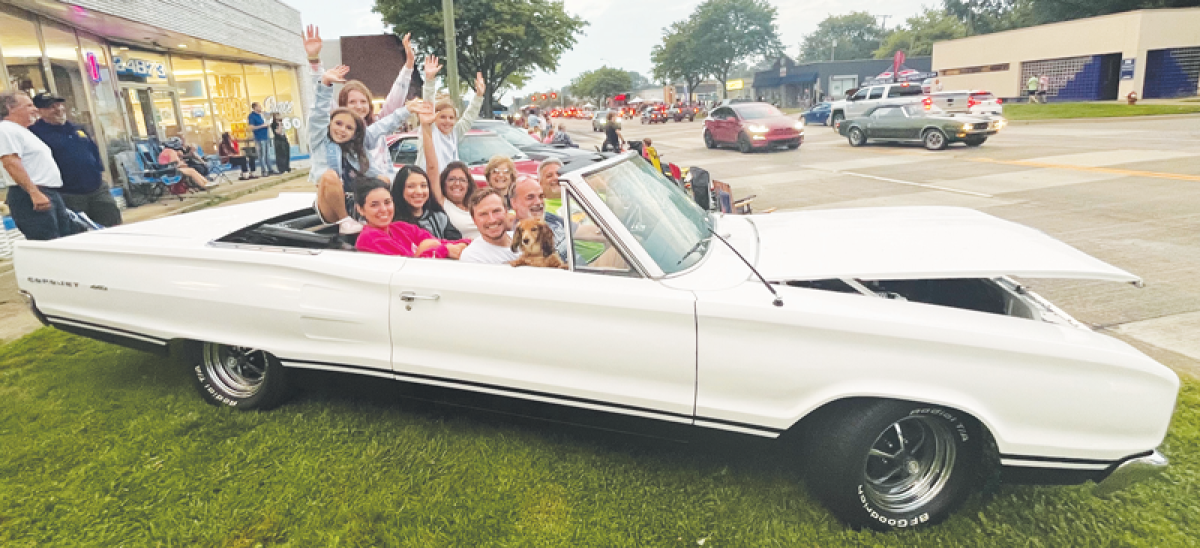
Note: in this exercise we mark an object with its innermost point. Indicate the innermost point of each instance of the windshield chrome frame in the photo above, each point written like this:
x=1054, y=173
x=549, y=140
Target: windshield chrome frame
x=639, y=259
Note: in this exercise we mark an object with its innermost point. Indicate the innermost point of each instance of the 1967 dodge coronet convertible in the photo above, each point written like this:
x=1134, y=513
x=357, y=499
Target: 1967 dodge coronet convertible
x=889, y=344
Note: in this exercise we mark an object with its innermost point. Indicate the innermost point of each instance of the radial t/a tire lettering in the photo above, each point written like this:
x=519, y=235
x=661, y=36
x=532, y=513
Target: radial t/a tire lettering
x=239, y=377
x=890, y=464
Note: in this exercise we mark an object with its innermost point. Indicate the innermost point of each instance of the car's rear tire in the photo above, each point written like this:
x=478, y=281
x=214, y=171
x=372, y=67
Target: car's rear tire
x=934, y=139
x=975, y=141
x=241, y=377
x=708, y=140
x=856, y=137
x=890, y=464
x=834, y=119
x=744, y=145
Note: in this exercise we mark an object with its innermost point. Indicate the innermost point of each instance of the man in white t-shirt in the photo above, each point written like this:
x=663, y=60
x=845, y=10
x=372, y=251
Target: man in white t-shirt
x=34, y=203
x=494, y=244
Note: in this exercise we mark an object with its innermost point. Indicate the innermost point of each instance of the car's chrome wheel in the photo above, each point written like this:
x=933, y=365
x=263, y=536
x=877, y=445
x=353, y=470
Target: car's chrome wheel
x=856, y=137
x=934, y=139
x=239, y=376
x=909, y=464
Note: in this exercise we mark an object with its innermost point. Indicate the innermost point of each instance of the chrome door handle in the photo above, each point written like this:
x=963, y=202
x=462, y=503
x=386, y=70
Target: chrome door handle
x=410, y=296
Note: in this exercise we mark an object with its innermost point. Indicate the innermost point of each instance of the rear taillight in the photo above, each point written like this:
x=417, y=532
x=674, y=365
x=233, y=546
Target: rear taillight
x=972, y=102
x=999, y=101
x=927, y=102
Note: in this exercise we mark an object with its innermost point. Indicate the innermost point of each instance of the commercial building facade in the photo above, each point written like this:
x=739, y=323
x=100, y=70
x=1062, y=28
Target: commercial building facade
x=1155, y=53
x=789, y=84
x=133, y=70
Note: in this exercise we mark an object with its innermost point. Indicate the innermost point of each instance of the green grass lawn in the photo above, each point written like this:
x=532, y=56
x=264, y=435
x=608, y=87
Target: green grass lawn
x=1061, y=111
x=101, y=446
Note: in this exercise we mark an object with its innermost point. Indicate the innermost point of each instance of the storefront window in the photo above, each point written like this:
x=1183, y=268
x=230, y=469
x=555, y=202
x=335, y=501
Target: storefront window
x=104, y=97
x=22, y=53
x=63, y=52
x=141, y=67
x=285, y=102
x=193, y=101
x=227, y=84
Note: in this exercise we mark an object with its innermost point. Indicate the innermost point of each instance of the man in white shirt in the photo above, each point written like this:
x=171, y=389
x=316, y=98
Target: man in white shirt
x=494, y=244
x=36, y=207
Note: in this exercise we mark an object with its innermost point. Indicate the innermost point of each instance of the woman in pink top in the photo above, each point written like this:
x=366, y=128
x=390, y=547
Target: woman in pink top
x=381, y=235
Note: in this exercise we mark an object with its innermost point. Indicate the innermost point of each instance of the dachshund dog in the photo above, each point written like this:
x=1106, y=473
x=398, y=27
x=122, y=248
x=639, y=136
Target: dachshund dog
x=534, y=239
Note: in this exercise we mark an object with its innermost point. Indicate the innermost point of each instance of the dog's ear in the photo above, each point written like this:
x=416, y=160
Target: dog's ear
x=516, y=238
x=547, y=239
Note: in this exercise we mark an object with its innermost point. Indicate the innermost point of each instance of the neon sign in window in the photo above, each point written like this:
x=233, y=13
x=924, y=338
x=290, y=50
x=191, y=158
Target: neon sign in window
x=93, y=67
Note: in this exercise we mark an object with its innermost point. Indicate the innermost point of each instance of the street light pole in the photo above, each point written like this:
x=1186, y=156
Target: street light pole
x=832, y=48
x=451, y=51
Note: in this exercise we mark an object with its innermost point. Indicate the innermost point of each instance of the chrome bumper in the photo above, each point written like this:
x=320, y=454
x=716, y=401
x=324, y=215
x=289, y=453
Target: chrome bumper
x=32, y=304
x=1130, y=472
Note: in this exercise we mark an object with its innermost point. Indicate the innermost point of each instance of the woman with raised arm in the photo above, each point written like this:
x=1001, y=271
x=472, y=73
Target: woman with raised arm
x=448, y=128
x=355, y=96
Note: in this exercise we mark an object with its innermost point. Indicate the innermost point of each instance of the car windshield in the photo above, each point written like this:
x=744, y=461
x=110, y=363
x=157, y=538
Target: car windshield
x=668, y=224
x=515, y=136
x=755, y=112
x=477, y=149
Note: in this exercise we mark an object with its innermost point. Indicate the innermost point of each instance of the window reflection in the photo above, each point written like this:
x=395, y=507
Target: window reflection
x=22, y=53
x=197, y=120
x=231, y=106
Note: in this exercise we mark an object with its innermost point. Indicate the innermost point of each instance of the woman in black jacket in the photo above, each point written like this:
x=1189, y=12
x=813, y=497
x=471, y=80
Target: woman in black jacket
x=283, y=149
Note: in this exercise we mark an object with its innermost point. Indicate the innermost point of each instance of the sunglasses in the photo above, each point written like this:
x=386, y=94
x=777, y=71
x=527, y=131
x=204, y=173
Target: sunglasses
x=503, y=170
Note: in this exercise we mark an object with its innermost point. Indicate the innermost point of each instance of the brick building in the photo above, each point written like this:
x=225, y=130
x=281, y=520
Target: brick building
x=132, y=70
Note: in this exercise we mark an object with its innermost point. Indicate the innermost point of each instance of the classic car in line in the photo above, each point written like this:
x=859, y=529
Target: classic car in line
x=888, y=343
x=922, y=122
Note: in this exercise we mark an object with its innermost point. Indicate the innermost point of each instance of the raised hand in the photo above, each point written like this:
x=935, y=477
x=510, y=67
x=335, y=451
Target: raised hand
x=410, y=59
x=335, y=75
x=480, y=85
x=312, y=41
x=419, y=108
x=432, y=66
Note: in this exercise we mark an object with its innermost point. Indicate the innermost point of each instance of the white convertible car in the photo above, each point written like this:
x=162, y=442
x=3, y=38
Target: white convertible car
x=889, y=343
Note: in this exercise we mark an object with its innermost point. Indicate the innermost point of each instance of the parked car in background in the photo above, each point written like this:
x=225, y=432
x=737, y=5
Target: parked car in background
x=678, y=112
x=536, y=150
x=982, y=103
x=654, y=113
x=927, y=124
x=600, y=119
x=476, y=148
x=887, y=349
x=818, y=114
x=868, y=97
x=752, y=126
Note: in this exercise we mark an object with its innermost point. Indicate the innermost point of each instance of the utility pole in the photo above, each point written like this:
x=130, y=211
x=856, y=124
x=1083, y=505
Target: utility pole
x=832, y=49
x=882, y=20
x=451, y=52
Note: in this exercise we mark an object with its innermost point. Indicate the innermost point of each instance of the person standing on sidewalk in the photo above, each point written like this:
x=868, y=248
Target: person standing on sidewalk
x=34, y=202
x=1043, y=88
x=262, y=140
x=1031, y=88
x=283, y=149
x=78, y=160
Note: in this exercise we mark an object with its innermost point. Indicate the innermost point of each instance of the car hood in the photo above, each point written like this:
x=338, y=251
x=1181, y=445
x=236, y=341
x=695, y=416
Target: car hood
x=915, y=243
x=560, y=152
x=775, y=122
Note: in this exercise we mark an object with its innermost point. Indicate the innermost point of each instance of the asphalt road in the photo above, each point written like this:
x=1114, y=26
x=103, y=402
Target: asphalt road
x=1125, y=190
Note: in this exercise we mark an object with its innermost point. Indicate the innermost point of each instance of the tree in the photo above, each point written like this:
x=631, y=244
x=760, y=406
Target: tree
x=1049, y=11
x=920, y=33
x=987, y=16
x=851, y=36
x=731, y=31
x=600, y=84
x=639, y=81
x=679, y=57
x=498, y=38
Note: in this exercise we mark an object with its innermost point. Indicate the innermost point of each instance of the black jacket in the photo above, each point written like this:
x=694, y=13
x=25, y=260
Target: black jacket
x=76, y=154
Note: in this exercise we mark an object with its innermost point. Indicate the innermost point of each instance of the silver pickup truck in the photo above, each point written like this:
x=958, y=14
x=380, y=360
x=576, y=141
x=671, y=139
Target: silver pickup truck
x=869, y=96
x=980, y=103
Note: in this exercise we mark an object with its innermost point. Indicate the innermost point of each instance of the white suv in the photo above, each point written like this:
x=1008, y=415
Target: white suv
x=867, y=97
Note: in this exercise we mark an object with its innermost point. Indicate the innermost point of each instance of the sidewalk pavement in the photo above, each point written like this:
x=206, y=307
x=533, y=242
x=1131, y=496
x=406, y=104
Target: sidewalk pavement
x=15, y=319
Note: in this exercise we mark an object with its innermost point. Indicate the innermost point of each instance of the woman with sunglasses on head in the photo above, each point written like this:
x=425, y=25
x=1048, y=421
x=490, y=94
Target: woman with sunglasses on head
x=500, y=173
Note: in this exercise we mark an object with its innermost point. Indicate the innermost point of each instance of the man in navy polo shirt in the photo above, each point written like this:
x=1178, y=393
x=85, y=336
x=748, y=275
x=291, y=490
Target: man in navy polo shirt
x=262, y=140
x=78, y=160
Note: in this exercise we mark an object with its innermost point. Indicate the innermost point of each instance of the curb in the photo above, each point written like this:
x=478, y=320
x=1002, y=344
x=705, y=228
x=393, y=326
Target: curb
x=1102, y=119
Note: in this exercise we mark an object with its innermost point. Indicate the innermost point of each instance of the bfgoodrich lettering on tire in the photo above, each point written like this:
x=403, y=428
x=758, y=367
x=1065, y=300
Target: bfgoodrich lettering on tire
x=241, y=377
x=887, y=464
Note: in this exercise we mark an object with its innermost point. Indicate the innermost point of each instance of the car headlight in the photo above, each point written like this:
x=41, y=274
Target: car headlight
x=800, y=125
x=755, y=128
x=967, y=127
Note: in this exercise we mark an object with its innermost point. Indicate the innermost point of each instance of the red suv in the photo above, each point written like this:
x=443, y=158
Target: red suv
x=752, y=126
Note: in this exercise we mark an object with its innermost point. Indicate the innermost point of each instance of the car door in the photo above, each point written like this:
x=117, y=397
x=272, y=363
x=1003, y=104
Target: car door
x=610, y=343
x=875, y=123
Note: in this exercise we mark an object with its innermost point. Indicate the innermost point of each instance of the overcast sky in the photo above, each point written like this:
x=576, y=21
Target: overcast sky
x=620, y=33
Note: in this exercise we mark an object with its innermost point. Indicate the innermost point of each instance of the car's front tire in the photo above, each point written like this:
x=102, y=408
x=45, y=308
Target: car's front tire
x=834, y=119
x=856, y=137
x=889, y=464
x=241, y=377
x=934, y=139
x=744, y=144
x=708, y=140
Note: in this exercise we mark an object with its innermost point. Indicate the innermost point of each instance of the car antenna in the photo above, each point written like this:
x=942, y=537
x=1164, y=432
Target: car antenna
x=778, y=300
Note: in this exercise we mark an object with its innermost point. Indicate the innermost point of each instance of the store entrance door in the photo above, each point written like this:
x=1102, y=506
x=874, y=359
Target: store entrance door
x=152, y=112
